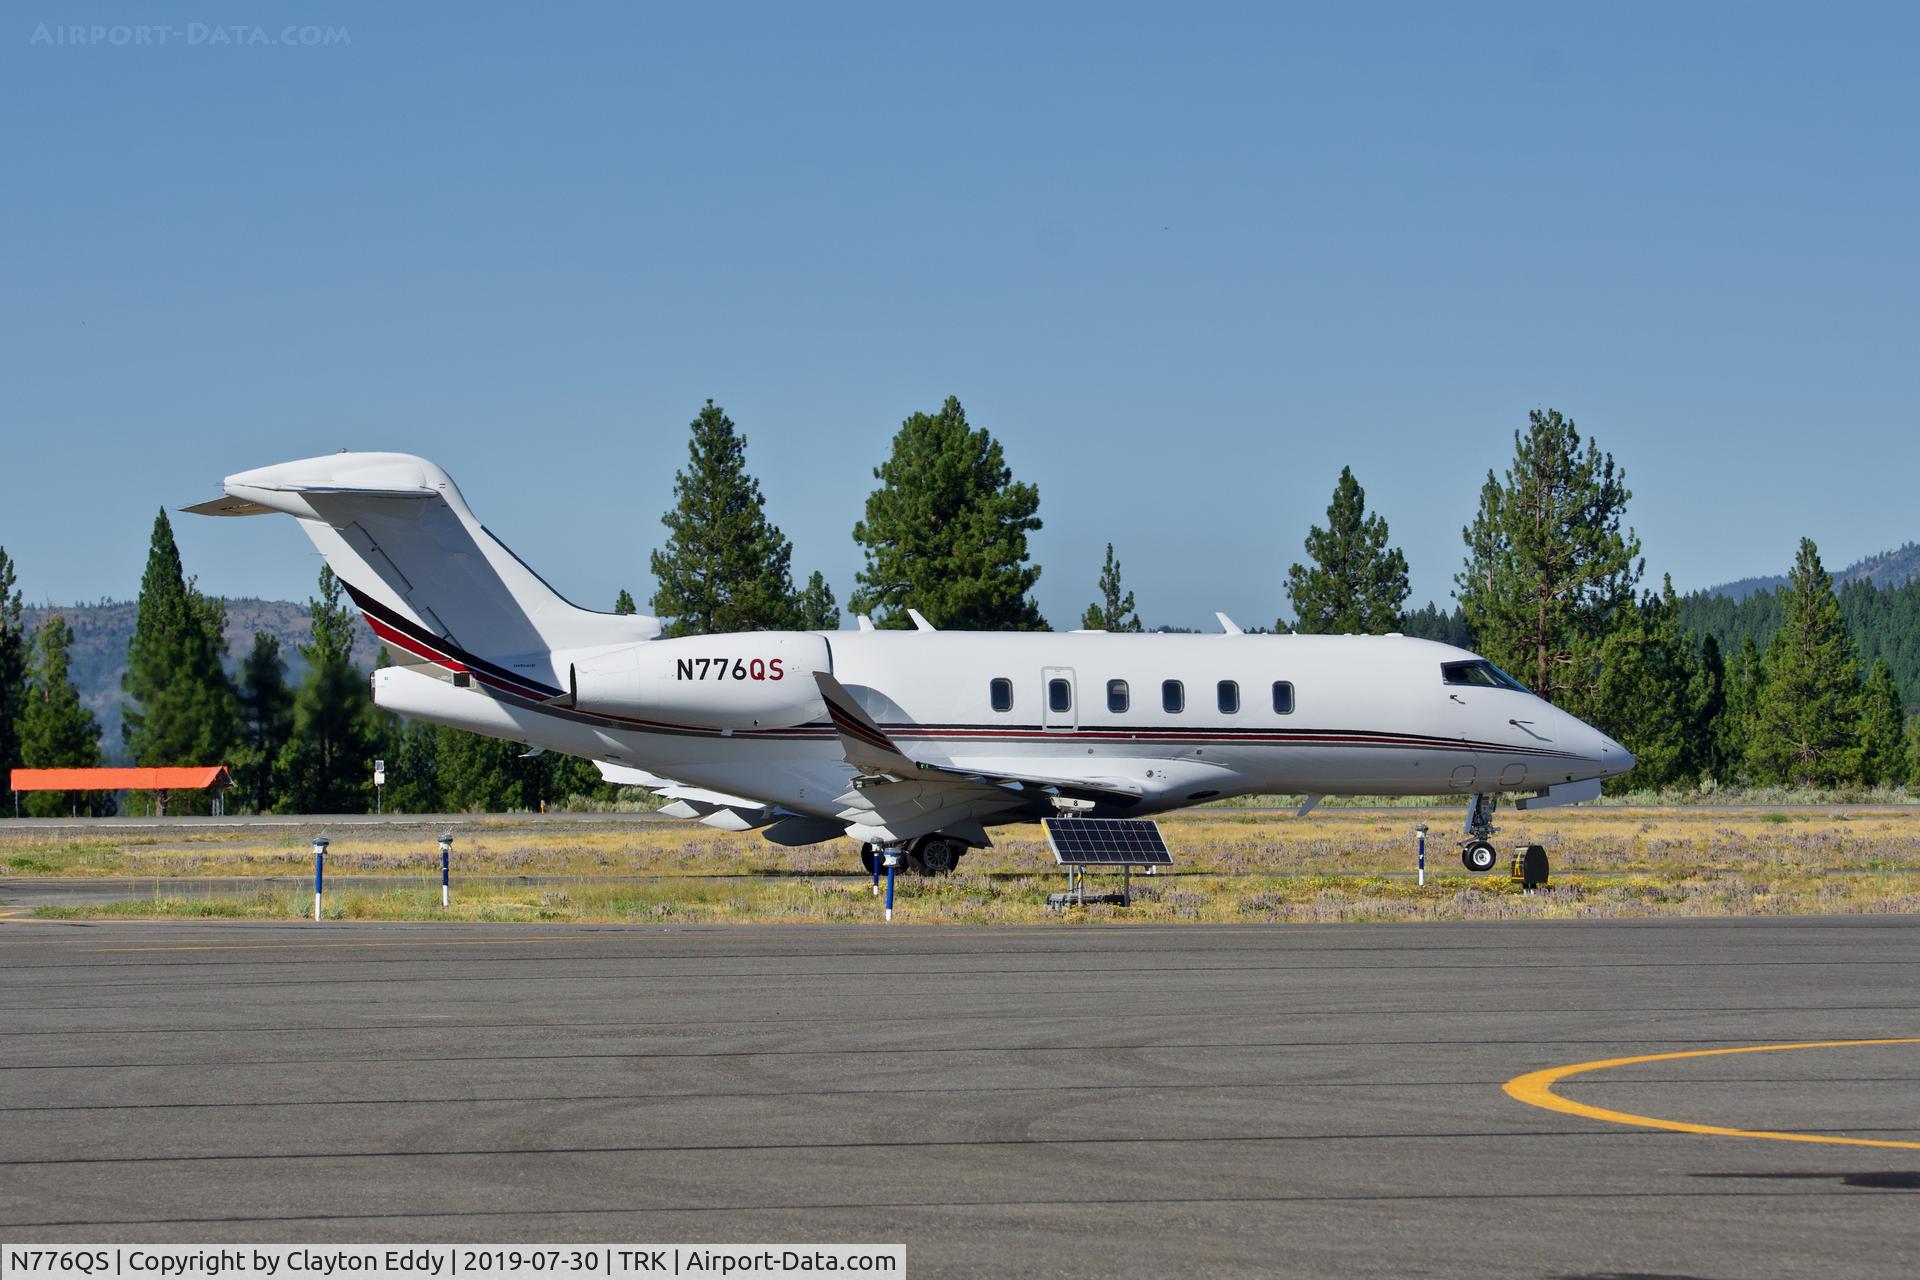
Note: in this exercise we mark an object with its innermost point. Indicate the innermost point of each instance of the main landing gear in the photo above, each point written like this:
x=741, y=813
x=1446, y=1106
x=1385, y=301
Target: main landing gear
x=933, y=855
x=1477, y=851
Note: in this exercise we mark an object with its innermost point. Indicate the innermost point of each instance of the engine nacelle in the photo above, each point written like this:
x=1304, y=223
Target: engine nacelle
x=751, y=680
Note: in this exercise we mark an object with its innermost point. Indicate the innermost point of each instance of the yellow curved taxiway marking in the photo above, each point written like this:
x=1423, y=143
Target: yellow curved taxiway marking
x=1536, y=1089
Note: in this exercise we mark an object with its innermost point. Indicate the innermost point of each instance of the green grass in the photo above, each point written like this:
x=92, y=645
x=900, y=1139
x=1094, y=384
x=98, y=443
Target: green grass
x=979, y=898
x=1232, y=865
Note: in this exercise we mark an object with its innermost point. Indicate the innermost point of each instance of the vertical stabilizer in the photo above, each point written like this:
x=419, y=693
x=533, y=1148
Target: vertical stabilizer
x=424, y=570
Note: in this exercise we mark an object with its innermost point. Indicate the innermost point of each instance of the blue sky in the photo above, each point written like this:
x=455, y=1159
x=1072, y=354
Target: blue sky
x=1184, y=261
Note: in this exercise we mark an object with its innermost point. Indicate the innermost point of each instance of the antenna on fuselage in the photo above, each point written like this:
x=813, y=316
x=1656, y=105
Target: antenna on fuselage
x=1228, y=626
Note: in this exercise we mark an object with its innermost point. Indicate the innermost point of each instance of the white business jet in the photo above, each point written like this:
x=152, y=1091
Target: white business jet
x=910, y=742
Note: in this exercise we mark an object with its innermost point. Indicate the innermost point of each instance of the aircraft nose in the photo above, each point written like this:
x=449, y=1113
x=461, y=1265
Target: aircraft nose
x=1608, y=757
x=1612, y=758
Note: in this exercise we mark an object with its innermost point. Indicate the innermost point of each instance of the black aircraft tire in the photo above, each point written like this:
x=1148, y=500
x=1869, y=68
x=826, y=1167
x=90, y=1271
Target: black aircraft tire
x=935, y=855
x=1479, y=856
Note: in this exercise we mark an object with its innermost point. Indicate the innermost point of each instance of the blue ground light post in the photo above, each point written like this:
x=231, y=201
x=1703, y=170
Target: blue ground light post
x=446, y=857
x=1420, y=838
x=890, y=866
x=319, y=873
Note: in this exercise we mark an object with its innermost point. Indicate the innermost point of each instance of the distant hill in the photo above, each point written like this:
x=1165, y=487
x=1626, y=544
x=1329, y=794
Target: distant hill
x=102, y=632
x=1893, y=568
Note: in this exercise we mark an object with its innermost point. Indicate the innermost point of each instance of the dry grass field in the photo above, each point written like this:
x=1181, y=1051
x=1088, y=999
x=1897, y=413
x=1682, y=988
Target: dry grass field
x=1232, y=866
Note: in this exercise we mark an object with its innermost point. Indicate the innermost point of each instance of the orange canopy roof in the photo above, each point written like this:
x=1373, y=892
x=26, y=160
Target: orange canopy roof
x=197, y=778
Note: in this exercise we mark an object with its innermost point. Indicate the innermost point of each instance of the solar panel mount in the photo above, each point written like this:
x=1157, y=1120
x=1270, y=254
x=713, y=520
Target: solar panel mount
x=1107, y=842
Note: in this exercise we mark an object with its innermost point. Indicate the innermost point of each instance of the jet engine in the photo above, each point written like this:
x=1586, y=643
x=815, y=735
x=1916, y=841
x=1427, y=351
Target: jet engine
x=750, y=680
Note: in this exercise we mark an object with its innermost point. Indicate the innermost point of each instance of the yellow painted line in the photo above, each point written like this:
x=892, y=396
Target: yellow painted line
x=1536, y=1089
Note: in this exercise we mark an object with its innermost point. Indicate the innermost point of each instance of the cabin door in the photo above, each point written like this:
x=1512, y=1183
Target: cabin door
x=1058, y=698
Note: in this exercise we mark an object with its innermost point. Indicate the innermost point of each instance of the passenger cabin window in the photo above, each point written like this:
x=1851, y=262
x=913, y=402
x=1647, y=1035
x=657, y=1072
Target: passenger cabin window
x=1479, y=673
x=1002, y=692
x=1173, y=697
x=1283, y=697
x=1228, y=694
x=1059, y=695
x=1117, y=697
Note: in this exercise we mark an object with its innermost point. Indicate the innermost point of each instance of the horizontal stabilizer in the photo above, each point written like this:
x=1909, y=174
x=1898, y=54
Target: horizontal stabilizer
x=228, y=507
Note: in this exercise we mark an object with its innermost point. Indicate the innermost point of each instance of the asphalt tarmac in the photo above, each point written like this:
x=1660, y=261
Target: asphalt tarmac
x=1065, y=1100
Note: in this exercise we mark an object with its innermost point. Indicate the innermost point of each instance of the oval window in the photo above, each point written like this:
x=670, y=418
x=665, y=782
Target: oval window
x=1001, y=691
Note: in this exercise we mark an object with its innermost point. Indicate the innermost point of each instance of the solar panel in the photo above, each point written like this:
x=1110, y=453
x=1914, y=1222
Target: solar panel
x=1109, y=842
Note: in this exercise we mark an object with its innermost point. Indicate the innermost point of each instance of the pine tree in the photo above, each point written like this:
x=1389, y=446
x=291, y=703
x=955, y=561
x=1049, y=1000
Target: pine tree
x=946, y=531
x=266, y=720
x=559, y=778
x=1883, y=742
x=56, y=732
x=1805, y=728
x=184, y=710
x=1429, y=623
x=479, y=774
x=13, y=668
x=1883, y=620
x=1913, y=751
x=1734, y=727
x=1706, y=704
x=326, y=765
x=725, y=566
x=1357, y=584
x=814, y=607
x=623, y=604
x=417, y=787
x=411, y=749
x=412, y=752
x=1643, y=692
x=1549, y=573
x=1113, y=611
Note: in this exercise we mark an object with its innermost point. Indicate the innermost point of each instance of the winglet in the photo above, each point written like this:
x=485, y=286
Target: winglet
x=1228, y=625
x=864, y=742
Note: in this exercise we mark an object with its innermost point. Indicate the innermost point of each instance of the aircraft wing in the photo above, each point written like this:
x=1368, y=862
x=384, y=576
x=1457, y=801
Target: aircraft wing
x=897, y=797
x=714, y=808
x=726, y=812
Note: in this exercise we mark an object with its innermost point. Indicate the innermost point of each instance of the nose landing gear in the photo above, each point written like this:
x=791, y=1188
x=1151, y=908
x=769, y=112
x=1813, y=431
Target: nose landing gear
x=1477, y=851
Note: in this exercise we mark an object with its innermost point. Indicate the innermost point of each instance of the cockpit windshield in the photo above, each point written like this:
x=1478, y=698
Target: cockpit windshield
x=1481, y=673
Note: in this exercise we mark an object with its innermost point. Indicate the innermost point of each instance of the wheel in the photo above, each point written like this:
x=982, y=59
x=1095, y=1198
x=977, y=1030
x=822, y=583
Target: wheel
x=1478, y=855
x=935, y=855
x=869, y=858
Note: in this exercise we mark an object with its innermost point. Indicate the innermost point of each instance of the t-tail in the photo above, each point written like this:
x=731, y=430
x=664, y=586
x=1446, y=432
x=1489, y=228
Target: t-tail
x=429, y=577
